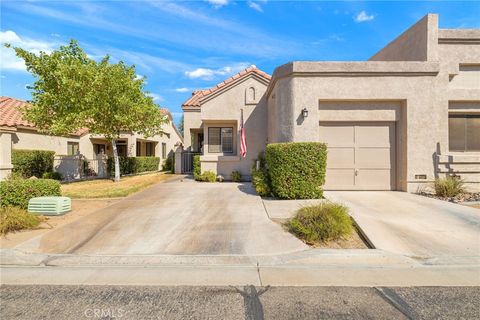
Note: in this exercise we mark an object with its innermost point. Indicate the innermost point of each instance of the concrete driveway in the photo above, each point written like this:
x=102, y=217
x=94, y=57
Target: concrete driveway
x=414, y=225
x=179, y=216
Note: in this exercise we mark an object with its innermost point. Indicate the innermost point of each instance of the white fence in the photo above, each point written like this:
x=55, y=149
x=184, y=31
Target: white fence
x=78, y=167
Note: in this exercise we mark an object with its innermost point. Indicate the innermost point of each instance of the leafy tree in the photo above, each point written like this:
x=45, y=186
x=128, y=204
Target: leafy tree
x=180, y=124
x=72, y=91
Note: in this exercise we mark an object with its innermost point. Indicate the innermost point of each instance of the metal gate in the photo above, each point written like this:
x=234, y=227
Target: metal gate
x=187, y=161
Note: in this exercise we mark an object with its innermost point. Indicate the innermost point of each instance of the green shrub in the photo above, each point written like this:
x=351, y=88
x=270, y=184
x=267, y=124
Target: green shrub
x=197, y=170
x=321, y=223
x=52, y=175
x=260, y=183
x=17, y=192
x=260, y=179
x=131, y=165
x=169, y=163
x=449, y=187
x=207, y=176
x=14, y=219
x=236, y=176
x=297, y=170
x=30, y=163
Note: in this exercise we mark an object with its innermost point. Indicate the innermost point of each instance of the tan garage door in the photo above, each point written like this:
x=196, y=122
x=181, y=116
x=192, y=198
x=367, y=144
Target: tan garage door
x=361, y=155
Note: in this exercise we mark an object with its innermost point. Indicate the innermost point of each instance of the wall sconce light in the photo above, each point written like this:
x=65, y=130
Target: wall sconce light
x=304, y=112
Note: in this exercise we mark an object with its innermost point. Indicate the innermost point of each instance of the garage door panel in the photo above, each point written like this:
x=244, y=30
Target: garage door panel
x=339, y=179
x=373, y=179
x=373, y=158
x=361, y=155
x=373, y=135
x=340, y=158
x=337, y=136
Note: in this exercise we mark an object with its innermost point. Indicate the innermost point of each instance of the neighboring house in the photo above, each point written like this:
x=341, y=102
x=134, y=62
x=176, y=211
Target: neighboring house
x=212, y=120
x=396, y=122
x=17, y=133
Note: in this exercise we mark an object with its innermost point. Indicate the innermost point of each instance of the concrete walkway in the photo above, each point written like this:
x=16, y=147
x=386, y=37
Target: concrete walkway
x=175, y=217
x=414, y=225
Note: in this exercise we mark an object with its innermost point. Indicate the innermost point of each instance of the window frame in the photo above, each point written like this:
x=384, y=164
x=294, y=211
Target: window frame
x=150, y=149
x=73, y=143
x=221, y=140
x=466, y=136
x=164, y=150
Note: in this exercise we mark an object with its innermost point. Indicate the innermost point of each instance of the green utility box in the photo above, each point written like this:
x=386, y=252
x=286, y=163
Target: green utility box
x=50, y=206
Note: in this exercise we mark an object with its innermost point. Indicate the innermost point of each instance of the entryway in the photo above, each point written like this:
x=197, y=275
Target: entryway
x=361, y=155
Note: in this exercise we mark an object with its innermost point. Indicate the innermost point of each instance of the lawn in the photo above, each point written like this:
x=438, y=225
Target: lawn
x=109, y=189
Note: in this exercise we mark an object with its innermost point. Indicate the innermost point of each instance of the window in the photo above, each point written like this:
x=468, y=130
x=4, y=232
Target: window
x=164, y=150
x=220, y=140
x=72, y=148
x=99, y=148
x=139, y=149
x=464, y=132
x=150, y=149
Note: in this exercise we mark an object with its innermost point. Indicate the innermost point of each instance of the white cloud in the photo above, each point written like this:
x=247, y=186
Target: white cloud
x=218, y=3
x=9, y=60
x=56, y=35
x=255, y=6
x=209, y=74
x=182, y=90
x=156, y=97
x=363, y=16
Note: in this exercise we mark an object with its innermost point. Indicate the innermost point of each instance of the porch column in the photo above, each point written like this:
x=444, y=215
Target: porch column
x=178, y=159
x=132, y=146
x=6, y=155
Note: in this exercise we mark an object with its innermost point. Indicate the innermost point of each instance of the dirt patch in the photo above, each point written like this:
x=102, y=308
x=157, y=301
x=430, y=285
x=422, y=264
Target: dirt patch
x=355, y=241
x=80, y=208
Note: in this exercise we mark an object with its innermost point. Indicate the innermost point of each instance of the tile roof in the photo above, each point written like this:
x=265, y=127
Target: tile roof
x=198, y=95
x=11, y=115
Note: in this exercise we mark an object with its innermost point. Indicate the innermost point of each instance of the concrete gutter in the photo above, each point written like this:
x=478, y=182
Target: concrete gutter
x=316, y=267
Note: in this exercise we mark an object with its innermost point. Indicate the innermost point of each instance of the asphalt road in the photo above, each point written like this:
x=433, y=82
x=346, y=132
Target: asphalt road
x=147, y=302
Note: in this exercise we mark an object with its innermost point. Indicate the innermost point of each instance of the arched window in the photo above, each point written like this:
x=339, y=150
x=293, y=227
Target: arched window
x=250, y=95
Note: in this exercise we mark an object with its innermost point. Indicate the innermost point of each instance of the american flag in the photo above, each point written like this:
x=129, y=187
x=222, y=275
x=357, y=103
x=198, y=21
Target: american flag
x=243, y=139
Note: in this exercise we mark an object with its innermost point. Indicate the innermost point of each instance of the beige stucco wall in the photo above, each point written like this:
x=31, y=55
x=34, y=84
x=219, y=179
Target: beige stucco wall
x=32, y=140
x=423, y=114
x=191, y=120
x=417, y=43
x=224, y=109
x=425, y=92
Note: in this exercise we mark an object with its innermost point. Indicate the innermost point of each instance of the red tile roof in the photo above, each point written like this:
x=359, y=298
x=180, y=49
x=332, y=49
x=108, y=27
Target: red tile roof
x=198, y=95
x=11, y=115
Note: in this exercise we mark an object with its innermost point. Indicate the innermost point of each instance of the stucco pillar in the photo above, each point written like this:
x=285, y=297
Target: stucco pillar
x=132, y=146
x=178, y=159
x=5, y=155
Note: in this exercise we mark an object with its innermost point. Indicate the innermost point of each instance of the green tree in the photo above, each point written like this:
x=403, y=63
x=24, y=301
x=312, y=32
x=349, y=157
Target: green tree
x=72, y=91
x=180, y=124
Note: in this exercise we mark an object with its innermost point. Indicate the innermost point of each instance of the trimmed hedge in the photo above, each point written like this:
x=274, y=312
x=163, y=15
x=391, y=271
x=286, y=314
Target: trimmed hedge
x=17, y=192
x=197, y=170
x=30, y=163
x=169, y=163
x=129, y=165
x=297, y=169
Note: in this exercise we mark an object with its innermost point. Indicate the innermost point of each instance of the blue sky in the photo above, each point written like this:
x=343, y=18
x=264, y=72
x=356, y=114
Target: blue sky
x=185, y=45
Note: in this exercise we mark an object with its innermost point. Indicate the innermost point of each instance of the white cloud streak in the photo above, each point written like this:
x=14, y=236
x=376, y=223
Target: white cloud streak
x=209, y=74
x=183, y=89
x=9, y=61
x=363, y=16
x=217, y=3
x=255, y=6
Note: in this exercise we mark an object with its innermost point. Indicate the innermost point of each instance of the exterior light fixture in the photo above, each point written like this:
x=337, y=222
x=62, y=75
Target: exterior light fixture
x=304, y=112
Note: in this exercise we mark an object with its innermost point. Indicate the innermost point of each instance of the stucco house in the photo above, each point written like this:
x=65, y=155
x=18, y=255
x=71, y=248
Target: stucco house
x=17, y=133
x=408, y=115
